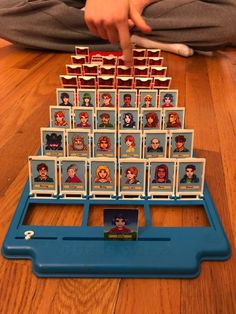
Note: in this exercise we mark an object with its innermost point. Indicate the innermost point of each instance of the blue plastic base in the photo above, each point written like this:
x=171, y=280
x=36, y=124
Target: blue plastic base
x=82, y=251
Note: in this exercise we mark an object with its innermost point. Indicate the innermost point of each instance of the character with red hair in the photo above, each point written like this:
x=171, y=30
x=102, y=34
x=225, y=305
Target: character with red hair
x=60, y=118
x=84, y=117
x=161, y=174
x=152, y=120
x=131, y=174
x=130, y=142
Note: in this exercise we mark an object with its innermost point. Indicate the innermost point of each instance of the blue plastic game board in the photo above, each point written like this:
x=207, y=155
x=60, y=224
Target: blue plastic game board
x=81, y=251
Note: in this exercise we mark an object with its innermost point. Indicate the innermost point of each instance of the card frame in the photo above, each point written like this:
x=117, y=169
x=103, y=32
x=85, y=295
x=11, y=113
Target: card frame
x=159, y=193
x=67, y=192
x=188, y=161
x=172, y=135
x=132, y=193
x=125, y=111
x=37, y=192
x=144, y=112
x=155, y=134
x=54, y=153
x=75, y=117
x=78, y=131
x=59, y=91
x=168, y=111
x=122, y=134
x=109, y=110
x=100, y=193
x=168, y=91
x=68, y=116
x=103, y=132
x=127, y=91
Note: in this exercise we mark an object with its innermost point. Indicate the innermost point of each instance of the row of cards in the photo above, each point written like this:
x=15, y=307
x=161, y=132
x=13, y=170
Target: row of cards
x=98, y=177
x=111, y=81
x=127, y=118
x=125, y=144
x=137, y=52
x=123, y=98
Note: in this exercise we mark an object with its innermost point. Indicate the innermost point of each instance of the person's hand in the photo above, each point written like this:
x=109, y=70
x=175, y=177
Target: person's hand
x=109, y=20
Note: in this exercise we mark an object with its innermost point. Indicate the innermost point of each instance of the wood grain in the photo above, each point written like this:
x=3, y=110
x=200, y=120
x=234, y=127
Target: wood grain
x=206, y=85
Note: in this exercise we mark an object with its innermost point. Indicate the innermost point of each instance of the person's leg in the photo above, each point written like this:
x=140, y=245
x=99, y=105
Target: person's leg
x=51, y=24
x=202, y=25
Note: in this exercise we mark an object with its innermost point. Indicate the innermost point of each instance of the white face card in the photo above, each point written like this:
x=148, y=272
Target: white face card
x=43, y=175
x=173, y=118
x=168, y=98
x=148, y=98
x=130, y=144
x=78, y=143
x=151, y=119
x=86, y=97
x=161, y=177
x=107, y=98
x=181, y=143
x=60, y=117
x=72, y=176
x=83, y=118
x=127, y=98
x=129, y=118
x=190, y=176
x=105, y=118
x=155, y=144
x=104, y=143
x=65, y=97
x=132, y=177
x=53, y=142
x=102, y=174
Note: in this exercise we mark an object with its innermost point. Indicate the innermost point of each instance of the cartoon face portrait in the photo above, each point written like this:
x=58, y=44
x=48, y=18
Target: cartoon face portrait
x=190, y=176
x=86, y=97
x=161, y=177
x=65, y=97
x=104, y=144
x=128, y=120
x=130, y=144
x=54, y=141
x=131, y=174
x=152, y=120
x=155, y=144
x=161, y=174
x=174, y=119
x=78, y=144
x=168, y=98
x=73, y=176
x=106, y=100
x=42, y=175
x=103, y=176
x=181, y=144
x=59, y=117
x=84, y=118
x=65, y=100
x=42, y=169
x=148, y=98
x=106, y=119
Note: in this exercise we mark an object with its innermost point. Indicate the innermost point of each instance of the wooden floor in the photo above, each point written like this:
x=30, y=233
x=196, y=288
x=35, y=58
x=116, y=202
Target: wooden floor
x=207, y=89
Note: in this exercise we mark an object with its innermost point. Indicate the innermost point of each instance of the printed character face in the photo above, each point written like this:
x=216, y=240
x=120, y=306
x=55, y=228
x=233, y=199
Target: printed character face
x=102, y=174
x=105, y=120
x=59, y=118
x=87, y=100
x=127, y=119
x=106, y=100
x=130, y=176
x=161, y=173
x=155, y=143
x=150, y=120
x=43, y=173
x=129, y=143
x=179, y=144
x=167, y=100
x=127, y=100
x=120, y=223
x=71, y=172
x=189, y=173
x=103, y=144
x=65, y=100
x=83, y=119
x=172, y=118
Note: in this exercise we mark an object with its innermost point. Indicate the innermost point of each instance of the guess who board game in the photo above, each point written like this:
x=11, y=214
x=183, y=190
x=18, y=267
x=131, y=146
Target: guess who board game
x=116, y=138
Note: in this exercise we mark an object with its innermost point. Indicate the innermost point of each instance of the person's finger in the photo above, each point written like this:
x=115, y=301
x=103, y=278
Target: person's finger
x=125, y=43
x=138, y=19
